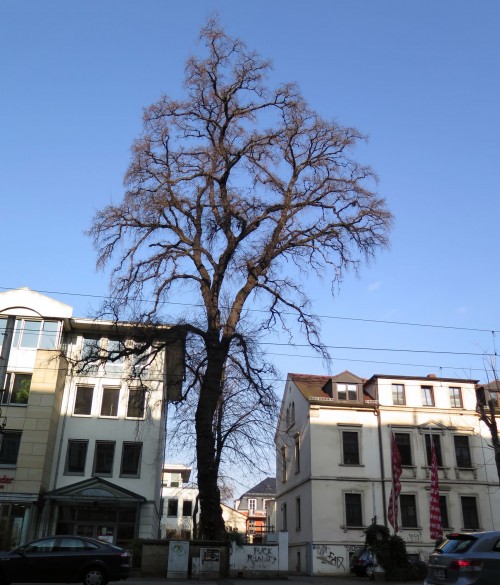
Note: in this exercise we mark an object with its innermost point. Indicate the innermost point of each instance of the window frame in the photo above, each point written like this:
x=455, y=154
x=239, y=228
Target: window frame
x=10, y=388
x=131, y=444
x=132, y=392
x=252, y=505
x=466, y=510
x=284, y=470
x=9, y=448
x=115, y=403
x=347, y=389
x=466, y=448
x=407, y=448
x=398, y=394
x=455, y=392
x=298, y=514
x=404, y=500
x=171, y=504
x=427, y=393
x=83, y=387
x=344, y=451
x=353, y=508
x=74, y=443
x=99, y=444
x=436, y=438
x=297, y=454
x=185, y=505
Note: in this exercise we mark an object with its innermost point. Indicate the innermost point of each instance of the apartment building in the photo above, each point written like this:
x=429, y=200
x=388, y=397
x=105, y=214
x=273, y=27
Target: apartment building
x=333, y=445
x=83, y=441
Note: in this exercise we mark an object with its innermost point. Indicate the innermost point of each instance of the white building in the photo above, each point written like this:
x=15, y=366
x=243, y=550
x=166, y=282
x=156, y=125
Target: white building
x=333, y=446
x=82, y=451
x=180, y=506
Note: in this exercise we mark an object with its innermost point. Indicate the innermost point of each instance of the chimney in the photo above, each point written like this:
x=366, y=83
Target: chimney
x=431, y=375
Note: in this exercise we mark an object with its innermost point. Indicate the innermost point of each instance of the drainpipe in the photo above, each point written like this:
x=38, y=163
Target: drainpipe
x=381, y=454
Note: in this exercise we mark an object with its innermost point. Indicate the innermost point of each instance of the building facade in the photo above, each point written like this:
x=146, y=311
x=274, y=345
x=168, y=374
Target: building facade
x=180, y=509
x=258, y=505
x=333, y=445
x=83, y=443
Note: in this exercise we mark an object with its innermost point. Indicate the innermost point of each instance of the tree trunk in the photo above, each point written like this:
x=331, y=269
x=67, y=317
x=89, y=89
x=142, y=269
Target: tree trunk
x=211, y=521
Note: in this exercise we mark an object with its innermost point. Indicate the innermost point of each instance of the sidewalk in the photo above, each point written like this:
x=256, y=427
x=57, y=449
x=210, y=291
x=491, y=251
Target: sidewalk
x=347, y=579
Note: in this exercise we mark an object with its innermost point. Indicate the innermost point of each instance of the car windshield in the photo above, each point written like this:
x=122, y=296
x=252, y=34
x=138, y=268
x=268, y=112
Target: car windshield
x=456, y=544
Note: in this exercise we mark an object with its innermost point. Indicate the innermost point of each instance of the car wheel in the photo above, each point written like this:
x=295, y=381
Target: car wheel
x=94, y=576
x=370, y=572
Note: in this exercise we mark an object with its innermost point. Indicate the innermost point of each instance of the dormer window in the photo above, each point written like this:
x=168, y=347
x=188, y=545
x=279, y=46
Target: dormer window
x=347, y=392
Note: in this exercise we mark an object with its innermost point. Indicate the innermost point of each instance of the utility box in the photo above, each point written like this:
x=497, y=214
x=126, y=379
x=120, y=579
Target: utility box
x=209, y=563
x=178, y=559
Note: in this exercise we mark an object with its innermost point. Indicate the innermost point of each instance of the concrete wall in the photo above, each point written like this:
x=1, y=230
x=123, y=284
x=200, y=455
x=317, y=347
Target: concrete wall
x=260, y=561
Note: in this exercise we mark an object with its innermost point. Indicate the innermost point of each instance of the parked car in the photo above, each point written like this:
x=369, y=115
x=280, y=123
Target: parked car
x=362, y=563
x=466, y=558
x=65, y=559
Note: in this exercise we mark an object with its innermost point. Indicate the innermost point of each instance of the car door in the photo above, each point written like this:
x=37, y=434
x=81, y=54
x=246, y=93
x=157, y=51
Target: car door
x=32, y=563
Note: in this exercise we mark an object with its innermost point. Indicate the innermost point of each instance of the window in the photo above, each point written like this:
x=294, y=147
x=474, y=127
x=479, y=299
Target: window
x=90, y=354
x=462, y=451
x=136, y=401
x=141, y=362
x=427, y=396
x=347, y=392
x=187, y=508
x=83, y=400
x=436, y=439
x=172, y=508
x=131, y=459
x=353, y=512
x=297, y=514
x=17, y=388
x=115, y=356
x=443, y=505
x=284, y=517
x=469, y=512
x=103, y=457
x=297, y=454
x=50, y=334
x=9, y=448
x=109, y=405
x=33, y=334
x=350, y=448
x=76, y=457
x=398, y=394
x=455, y=397
x=408, y=511
x=252, y=505
x=3, y=328
x=283, y=464
x=403, y=442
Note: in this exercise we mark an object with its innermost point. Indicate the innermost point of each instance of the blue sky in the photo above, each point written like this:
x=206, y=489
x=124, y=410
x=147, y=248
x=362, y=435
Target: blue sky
x=420, y=78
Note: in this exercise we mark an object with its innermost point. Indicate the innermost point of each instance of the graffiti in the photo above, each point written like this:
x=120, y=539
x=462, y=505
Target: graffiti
x=179, y=550
x=328, y=557
x=413, y=537
x=352, y=548
x=261, y=555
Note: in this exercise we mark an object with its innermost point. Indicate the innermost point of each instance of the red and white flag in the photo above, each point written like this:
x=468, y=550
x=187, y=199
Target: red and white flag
x=396, y=485
x=435, y=507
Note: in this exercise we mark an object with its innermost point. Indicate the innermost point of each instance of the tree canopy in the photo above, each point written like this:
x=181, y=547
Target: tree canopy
x=232, y=195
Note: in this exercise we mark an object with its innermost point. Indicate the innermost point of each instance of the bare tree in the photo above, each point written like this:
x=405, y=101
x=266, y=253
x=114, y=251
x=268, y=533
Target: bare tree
x=230, y=192
x=488, y=409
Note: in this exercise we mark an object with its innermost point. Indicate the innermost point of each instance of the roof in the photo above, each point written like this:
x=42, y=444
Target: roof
x=267, y=487
x=311, y=386
x=493, y=386
x=428, y=378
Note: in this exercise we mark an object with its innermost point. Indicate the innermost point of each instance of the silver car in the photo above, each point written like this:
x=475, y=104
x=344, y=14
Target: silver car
x=466, y=558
